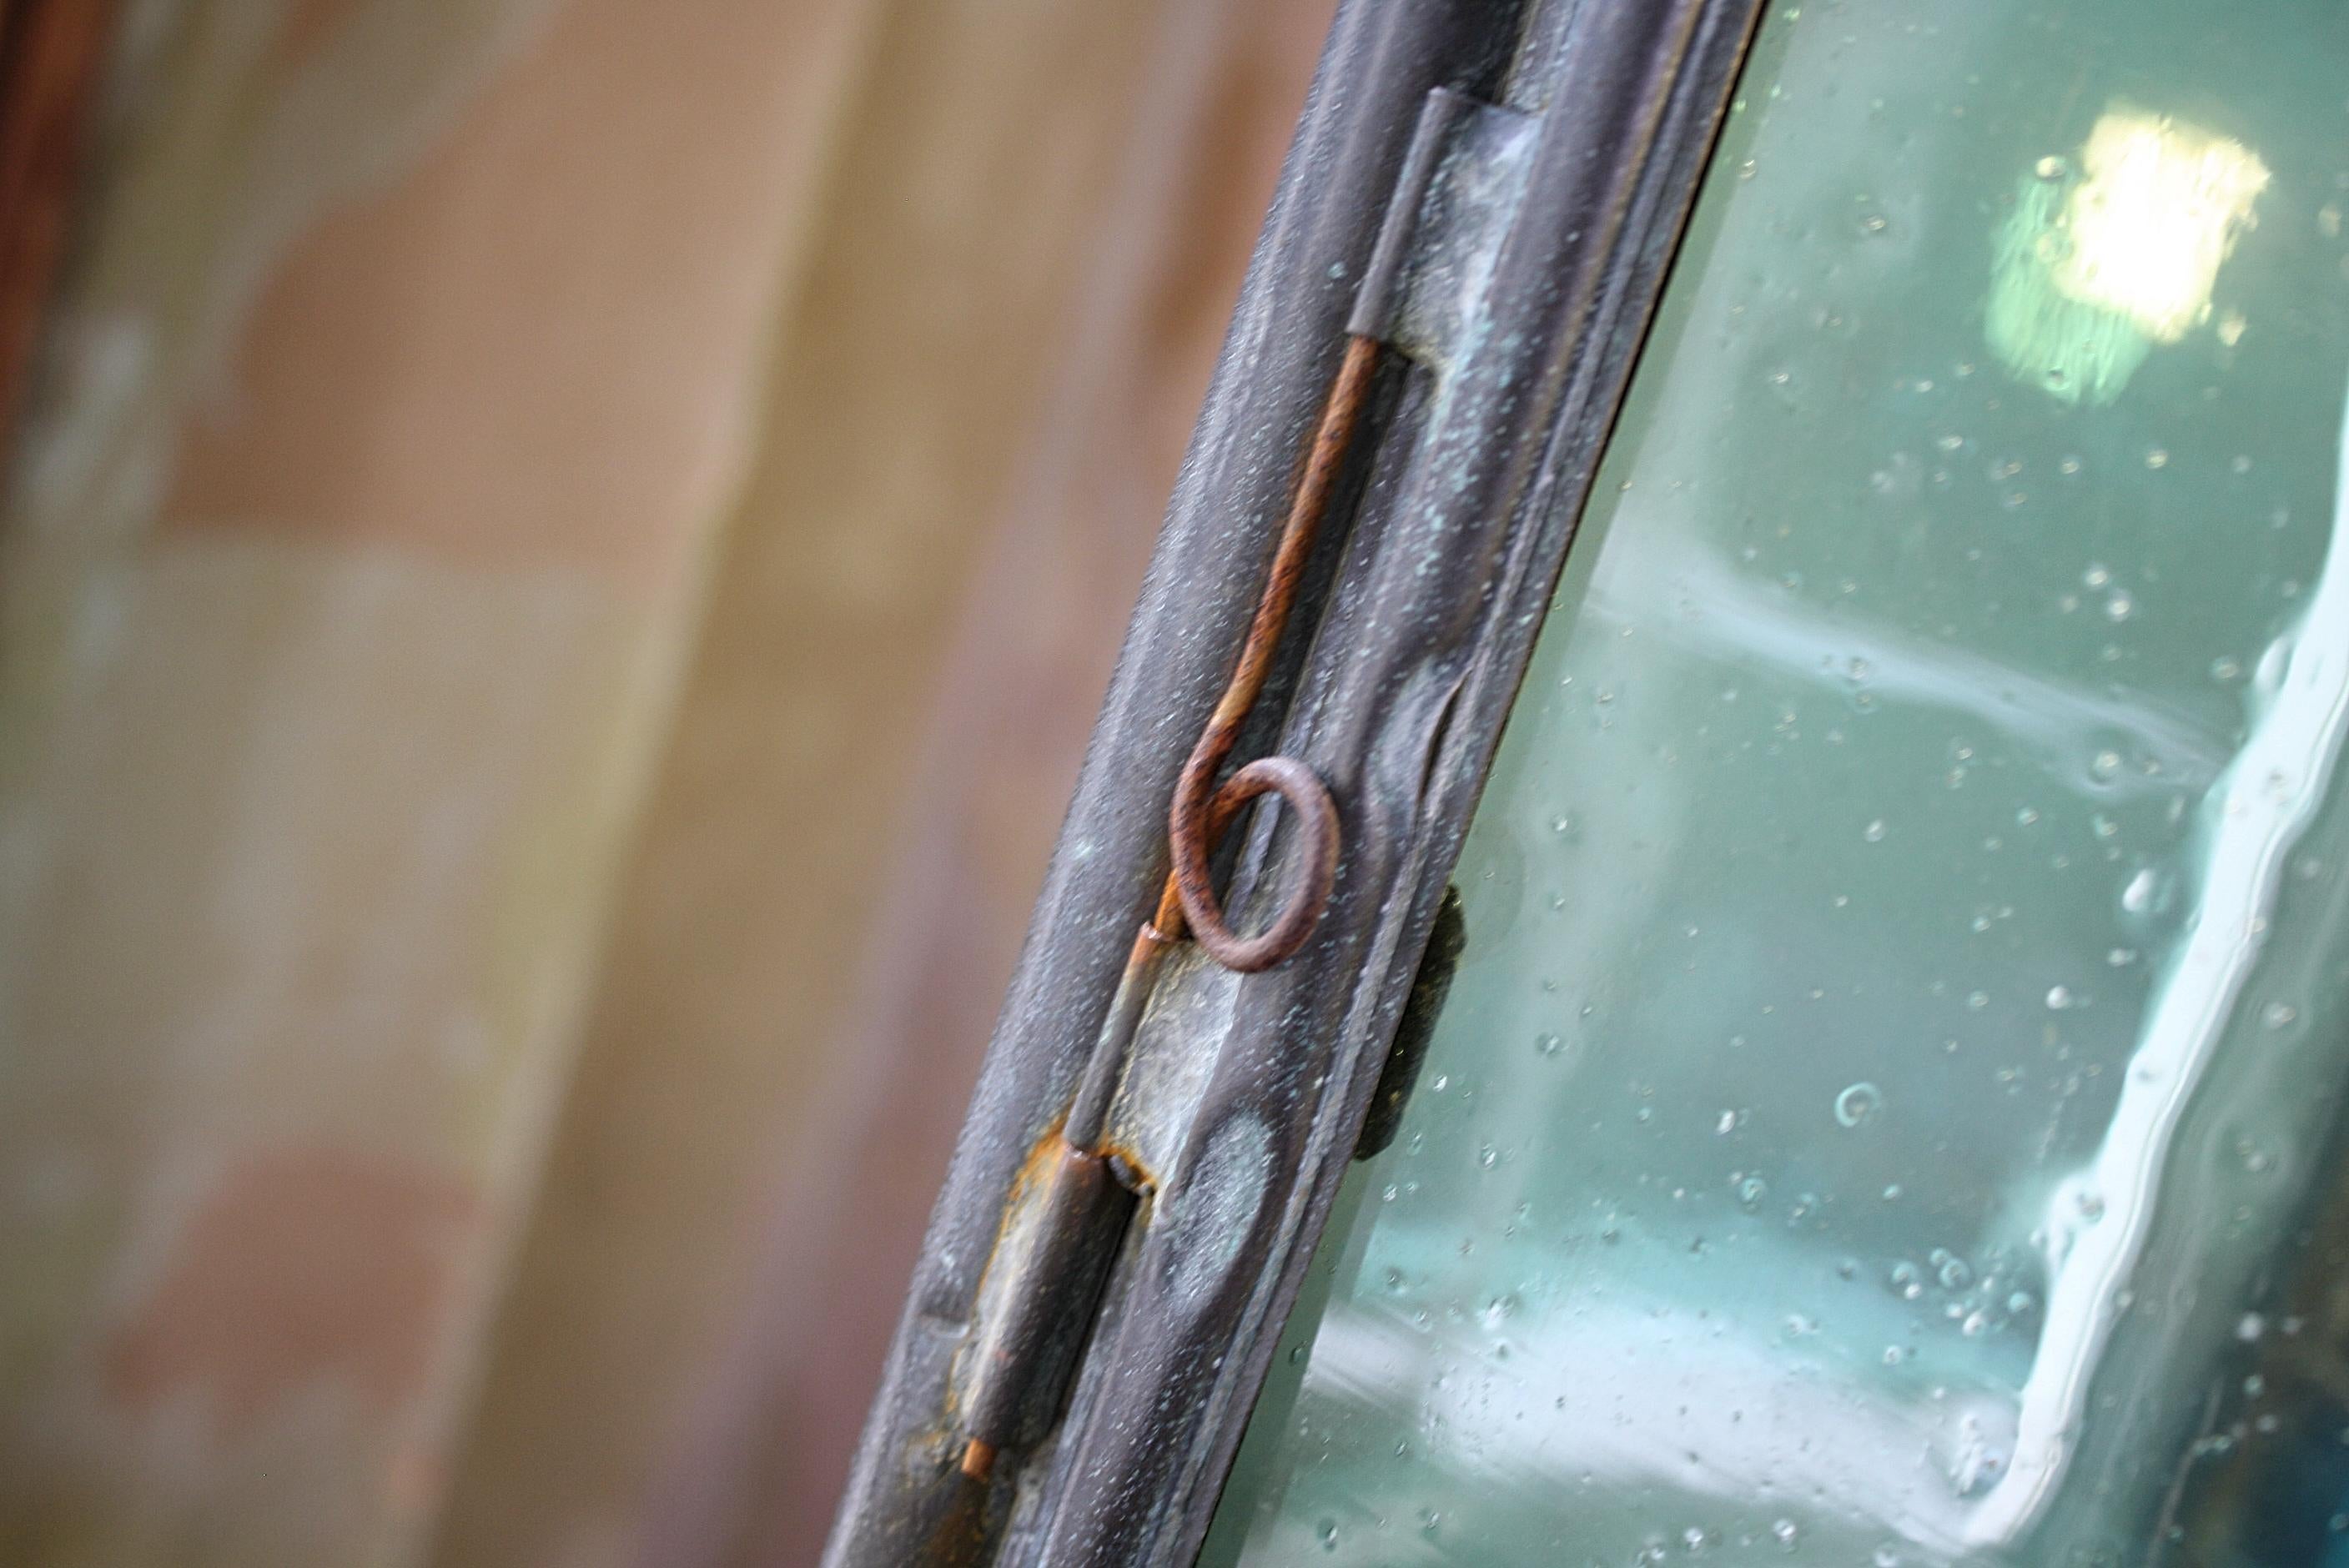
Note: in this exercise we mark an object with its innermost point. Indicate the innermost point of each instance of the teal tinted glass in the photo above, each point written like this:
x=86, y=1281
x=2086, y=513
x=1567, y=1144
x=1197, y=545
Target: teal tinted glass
x=1889, y=1110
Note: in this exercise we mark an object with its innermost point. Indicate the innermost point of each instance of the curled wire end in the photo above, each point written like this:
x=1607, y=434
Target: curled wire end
x=1196, y=824
x=1201, y=810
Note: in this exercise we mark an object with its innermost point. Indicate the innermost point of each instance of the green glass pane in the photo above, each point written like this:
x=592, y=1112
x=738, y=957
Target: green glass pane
x=1889, y=1110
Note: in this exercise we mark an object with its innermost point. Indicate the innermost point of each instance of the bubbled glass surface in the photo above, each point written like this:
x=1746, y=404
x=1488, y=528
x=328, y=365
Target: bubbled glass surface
x=1888, y=1109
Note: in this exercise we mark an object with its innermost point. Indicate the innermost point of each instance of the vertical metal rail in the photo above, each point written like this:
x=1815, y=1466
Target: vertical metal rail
x=1469, y=506
x=1398, y=714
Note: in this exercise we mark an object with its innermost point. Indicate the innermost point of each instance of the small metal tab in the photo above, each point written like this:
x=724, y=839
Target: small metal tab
x=1457, y=196
x=1416, y=1027
x=1373, y=301
x=1172, y=1054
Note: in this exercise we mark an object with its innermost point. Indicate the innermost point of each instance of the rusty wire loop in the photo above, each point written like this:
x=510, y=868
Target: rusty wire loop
x=1201, y=809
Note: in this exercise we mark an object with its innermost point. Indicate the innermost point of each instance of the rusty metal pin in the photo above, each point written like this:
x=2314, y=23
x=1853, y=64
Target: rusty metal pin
x=1200, y=809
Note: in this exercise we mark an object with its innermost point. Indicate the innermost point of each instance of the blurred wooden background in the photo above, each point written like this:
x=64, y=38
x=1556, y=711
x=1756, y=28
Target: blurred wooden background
x=555, y=569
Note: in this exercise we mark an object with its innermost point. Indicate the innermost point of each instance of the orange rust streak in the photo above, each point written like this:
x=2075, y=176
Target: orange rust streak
x=1166, y=923
x=1131, y=1156
x=1336, y=431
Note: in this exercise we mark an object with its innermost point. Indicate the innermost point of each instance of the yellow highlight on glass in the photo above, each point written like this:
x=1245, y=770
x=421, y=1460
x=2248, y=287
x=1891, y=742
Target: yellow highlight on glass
x=2105, y=257
x=2158, y=212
